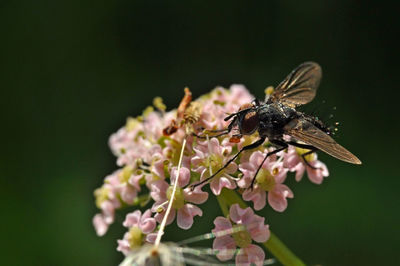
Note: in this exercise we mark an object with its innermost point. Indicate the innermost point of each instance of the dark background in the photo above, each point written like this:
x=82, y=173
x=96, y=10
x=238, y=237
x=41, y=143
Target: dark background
x=72, y=71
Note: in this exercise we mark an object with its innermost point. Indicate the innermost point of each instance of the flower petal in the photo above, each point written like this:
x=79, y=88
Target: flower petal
x=299, y=168
x=221, y=224
x=277, y=197
x=226, y=247
x=239, y=215
x=128, y=193
x=217, y=184
x=184, y=176
x=186, y=214
x=250, y=254
x=108, y=210
x=257, y=195
x=132, y=219
x=196, y=196
x=147, y=223
x=258, y=230
x=124, y=246
x=151, y=238
x=158, y=190
x=99, y=224
x=159, y=216
x=317, y=175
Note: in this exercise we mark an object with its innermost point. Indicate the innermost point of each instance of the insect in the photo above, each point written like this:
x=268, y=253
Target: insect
x=278, y=117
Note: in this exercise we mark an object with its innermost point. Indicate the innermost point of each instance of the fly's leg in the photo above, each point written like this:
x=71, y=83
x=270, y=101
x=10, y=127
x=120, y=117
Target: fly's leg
x=224, y=132
x=311, y=149
x=303, y=156
x=248, y=147
x=276, y=142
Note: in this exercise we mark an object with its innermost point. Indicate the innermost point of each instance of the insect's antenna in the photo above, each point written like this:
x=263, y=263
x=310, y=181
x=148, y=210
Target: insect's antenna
x=230, y=116
x=164, y=221
x=237, y=113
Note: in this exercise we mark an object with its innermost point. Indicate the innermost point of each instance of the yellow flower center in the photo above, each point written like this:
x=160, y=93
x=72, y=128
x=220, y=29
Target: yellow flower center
x=101, y=194
x=125, y=174
x=265, y=179
x=131, y=123
x=135, y=237
x=179, y=199
x=242, y=238
x=215, y=162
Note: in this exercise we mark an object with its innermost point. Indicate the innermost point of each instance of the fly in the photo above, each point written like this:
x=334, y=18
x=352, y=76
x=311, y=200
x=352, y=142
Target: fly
x=278, y=117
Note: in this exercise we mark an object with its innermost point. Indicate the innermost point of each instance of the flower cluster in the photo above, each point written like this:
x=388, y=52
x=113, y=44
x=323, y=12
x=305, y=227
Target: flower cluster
x=148, y=168
x=253, y=229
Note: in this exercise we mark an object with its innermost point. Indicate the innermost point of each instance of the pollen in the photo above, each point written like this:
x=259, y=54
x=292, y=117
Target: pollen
x=275, y=171
x=160, y=209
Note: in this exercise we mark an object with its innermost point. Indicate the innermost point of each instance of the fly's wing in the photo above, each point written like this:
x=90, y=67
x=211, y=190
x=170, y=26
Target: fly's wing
x=299, y=87
x=305, y=131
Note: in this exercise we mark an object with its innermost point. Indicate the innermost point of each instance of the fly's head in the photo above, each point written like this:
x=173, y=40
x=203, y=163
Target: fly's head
x=248, y=120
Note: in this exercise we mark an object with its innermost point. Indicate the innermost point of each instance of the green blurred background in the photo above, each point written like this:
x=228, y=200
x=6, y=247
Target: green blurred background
x=72, y=71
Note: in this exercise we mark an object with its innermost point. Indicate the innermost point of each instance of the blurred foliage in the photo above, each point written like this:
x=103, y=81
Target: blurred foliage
x=72, y=71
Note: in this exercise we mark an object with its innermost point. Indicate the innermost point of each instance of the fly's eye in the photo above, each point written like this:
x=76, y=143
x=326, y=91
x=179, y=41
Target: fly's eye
x=249, y=123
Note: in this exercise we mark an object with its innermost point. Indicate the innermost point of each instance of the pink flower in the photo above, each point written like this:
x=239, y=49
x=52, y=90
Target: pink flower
x=247, y=227
x=269, y=179
x=127, y=185
x=103, y=220
x=214, y=117
x=238, y=95
x=221, y=103
x=293, y=161
x=100, y=224
x=161, y=192
x=250, y=254
x=213, y=155
x=107, y=201
x=140, y=229
x=145, y=222
x=123, y=141
x=172, y=151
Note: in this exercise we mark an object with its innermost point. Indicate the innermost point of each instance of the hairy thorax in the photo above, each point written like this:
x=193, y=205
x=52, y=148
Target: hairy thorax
x=273, y=118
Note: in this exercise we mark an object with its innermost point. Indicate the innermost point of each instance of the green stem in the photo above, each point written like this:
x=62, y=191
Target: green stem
x=274, y=245
x=223, y=205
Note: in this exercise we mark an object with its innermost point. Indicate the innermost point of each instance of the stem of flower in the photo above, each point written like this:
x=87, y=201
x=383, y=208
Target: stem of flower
x=223, y=205
x=274, y=245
